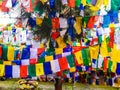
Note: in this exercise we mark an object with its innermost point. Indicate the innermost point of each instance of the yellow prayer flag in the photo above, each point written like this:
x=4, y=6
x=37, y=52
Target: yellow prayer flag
x=7, y=62
x=83, y=2
x=114, y=66
x=58, y=51
x=94, y=50
x=9, y=28
x=78, y=24
x=48, y=58
x=106, y=2
x=77, y=44
x=1, y=70
x=39, y=69
x=10, y=54
x=73, y=69
x=78, y=56
x=38, y=21
x=21, y=47
x=43, y=1
x=115, y=54
x=103, y=49
x=60, y=42
x=97, y=6
x=112, y=25
x=41, y=45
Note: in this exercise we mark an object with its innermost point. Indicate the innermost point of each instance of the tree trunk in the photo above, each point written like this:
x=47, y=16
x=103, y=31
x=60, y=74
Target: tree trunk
x=58, y=84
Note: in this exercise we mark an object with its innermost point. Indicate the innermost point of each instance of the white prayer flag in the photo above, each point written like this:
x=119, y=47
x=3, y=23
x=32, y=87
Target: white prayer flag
x=55, y=66
x=16, y=71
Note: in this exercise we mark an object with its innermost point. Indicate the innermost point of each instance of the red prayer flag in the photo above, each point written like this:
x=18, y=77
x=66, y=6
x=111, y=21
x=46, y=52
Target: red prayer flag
x=111, y=42
x=0, y=51
x=63, y=63
x=4, y=9
x=71, y=3
x=40, y=50
x=59, y=74
x=33, y=61
x=55, y=23
x=55, y=35
x=105, y=63
x=23, y=71
x=91, y=22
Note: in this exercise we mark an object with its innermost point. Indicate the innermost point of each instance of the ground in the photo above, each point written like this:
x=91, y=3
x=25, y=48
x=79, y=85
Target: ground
x=12, y=85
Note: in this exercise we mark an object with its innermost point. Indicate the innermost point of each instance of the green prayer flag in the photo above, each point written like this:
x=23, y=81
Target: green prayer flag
x=85, y=20
x=86, y=56
x=1, y=62
x=107, y=41
x=70, y=60
x=77, y=3
x=38, y=8
x=66, y=72
x=31, y=70
x=115, y=4
x=4, y=52
x=50, y=51
x=109, y=65
x=88, y=1
x=100, y=39
x=41, y=60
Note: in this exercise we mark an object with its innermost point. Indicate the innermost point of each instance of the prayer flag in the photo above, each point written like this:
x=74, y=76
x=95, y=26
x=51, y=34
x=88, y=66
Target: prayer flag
x=41, y=60
x=55, y=66
x=17, y=62
x=25, y=53
x=94, y=50
x=86, y=56
x=7, y=62
x=47, y=68
x=78, y=56
x=8, y=71
x=5, y=50
x=48, y=58
x=16, y=71
x=23, y=71
x=105, y=63
x=33, y=61
x=73, y=69
x=63, y=63
x=77, y=3
x=2, y=67
x=33, y=53
x=40, y=50
x=55, y=23
x=31, y=70
x=66, y=54
x=10, y=53
x=39, y=69
x=71, y=3
x=25, y=62
x=70, y=60
x=118, y=69
x=114, y=66
x=60, y=42
x=58, y=56
x=109, y=65
x=1, y=51
x=58, y=51
x=103, y=49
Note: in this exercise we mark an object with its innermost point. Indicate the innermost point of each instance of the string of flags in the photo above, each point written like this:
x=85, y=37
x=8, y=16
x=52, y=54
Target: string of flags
x=94, y=57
